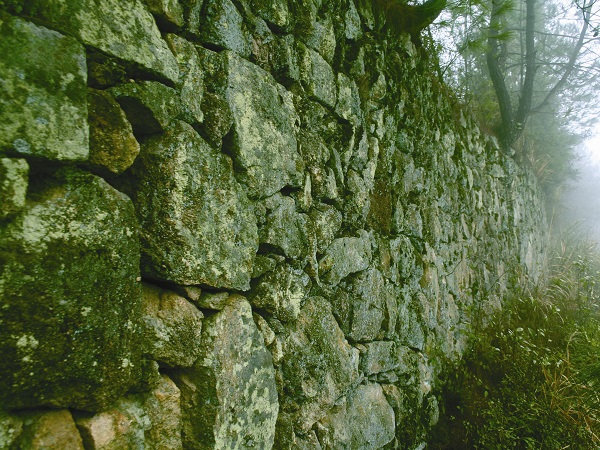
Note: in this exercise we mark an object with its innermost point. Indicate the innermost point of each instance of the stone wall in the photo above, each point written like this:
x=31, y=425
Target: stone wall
x=238, y=224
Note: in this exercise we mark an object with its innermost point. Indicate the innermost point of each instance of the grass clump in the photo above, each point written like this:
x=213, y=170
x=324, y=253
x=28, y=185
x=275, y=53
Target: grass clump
x=531, y=376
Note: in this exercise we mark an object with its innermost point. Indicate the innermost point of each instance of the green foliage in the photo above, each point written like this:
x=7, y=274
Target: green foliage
x=531, y=377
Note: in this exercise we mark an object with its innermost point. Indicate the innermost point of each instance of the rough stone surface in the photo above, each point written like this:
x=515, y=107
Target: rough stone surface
x=168, y=13
x=345, y=256
x=113, y=147
x=151, y=420
x=43, y=106
x=172, y=328
x=191, y=78
x=222, y=25
x=366, y=421
x=132, y=35
x=281, y=292
x=319, y=365
x=70, y=259
x=264, y=142
x=51, y=430
x=197, y=224
x=13, y=185
x=229, y=398
x=150, y=106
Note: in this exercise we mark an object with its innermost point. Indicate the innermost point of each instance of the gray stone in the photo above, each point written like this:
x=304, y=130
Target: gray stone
x=265, y=124
x=171, y=328
x=274, y=12
x=366, y=421
x=229, y=397
x=317, y=76
x=11, y=426
x=151, y=420
x=281, y=292
x=348, y=100
x=13, y=185
x=286, y=229
x=191, y=78
x=132, y=35
x=191, y=15
x=168, y=13
x=43, y=106
x=345, y=256
x=71, y=260
x=49, y=430
x=218, y=119
x=327, y=222
x=367, y=306
x=223, y=26
x=150, y=106
x=113, y=147
x=198, y=227
x=380, y=356
x=321, y=38
x=319, y=365
x=215, y=301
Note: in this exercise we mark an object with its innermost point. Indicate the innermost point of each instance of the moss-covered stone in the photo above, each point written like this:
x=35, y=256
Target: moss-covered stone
x=222, y=25
x=150, y=106
x=345, y=256
x=265, y=122
x=43, y=106
x=13, y=185
x=366, y=421
x=132, y=35
x=171, y=328
x=319, y=366
x=229, y=398
x=69, y=259
x=113, y=147
x=198, y=226
x=191, y=78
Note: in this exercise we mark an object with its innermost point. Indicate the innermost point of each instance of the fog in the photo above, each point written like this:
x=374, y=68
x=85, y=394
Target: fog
x=581, y=199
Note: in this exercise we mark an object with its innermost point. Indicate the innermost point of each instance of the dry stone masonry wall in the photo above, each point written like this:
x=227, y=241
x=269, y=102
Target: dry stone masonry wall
x=238, y=224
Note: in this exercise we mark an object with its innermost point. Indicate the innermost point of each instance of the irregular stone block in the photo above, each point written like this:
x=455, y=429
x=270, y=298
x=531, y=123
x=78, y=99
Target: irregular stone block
x=380, y=356
x=151, y=420
x=70, y=302
x=361, y=307
x=49, y=430
x=327, y=221
x=223, y=26
x=317, y=76
x=273, y=11
x=150, y=106
x=198, y=226
x=286, y=229
x=191, y=78
x=265, y=122
x=281, y=292
x=319, y=365
x=218, y=119
x=43, y=106
x=168, y=13
x=348, y=101
x=345, y=256
x=113, y=147
x=171, y=328
x=229, y=397
x=11, y=426
x=13, y=185
x=191, y=15
x=365, y=421
x=132, y=35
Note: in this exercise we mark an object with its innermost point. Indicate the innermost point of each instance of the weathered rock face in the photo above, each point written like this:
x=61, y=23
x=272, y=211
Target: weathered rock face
x=197, y=223
x=70, y=259
x=161, y=158
x=229, y=398
x=43, y=104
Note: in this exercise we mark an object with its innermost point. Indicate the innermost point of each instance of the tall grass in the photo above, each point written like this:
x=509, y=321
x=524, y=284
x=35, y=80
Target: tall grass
x=531, y=376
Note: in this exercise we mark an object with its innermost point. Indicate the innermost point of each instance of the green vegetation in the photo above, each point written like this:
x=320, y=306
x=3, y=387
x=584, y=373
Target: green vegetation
x=531, y=376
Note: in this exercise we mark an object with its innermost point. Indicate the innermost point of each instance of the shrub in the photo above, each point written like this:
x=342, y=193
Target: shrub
x=531, y=376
